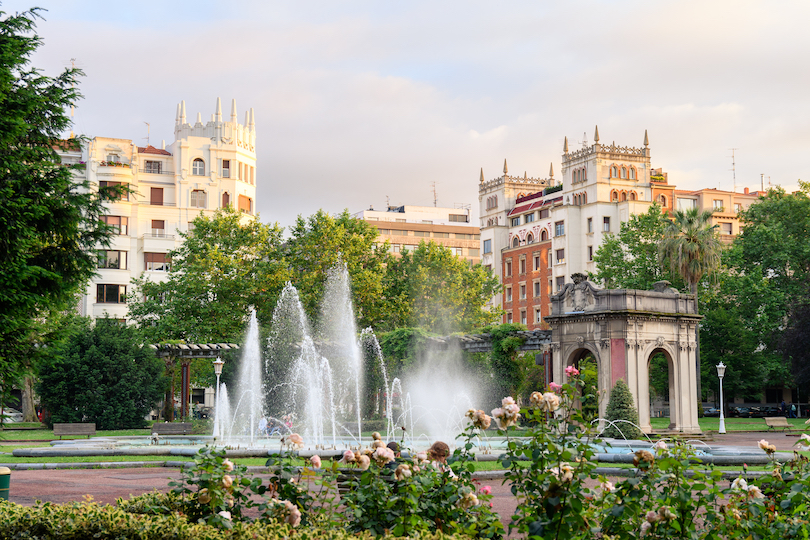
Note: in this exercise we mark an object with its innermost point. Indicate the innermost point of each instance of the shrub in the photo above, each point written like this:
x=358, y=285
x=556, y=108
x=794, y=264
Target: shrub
x=622, y=411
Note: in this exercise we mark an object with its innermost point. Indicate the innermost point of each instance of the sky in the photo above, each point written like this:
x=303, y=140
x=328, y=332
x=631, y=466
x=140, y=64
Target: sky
x=361, y=104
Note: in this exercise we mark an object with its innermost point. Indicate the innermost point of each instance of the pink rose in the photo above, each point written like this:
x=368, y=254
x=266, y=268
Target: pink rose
x=316, y=461
x=571, y=371
x=486, y=490
x=554, y=387
x=348, y=456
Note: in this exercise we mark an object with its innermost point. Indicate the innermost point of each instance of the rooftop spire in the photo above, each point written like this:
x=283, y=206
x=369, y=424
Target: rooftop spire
x=505, y=168
x=646, y=139
x=551, y=170
x=199, y=118
x=247, y=118
x=218, y=117
x=183, y=112
x=177, y=115
x=482, y=175
x=252, y=125
x=233, y=111
x=596, y=135
x=565, y=145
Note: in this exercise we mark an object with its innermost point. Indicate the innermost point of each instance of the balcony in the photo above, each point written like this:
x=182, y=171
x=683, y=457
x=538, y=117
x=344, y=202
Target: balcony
x=158, y=233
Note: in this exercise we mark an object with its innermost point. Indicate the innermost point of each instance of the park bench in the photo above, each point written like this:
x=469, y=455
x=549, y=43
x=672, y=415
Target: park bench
x=777, y=422
x=172, y=428
x=74, y=429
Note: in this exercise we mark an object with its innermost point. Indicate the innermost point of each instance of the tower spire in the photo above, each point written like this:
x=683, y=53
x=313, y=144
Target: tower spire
x=482, y=175
x=551, y=170
x=565, y=145
x=252, y=125
x=218, y=117
x=199, y=118
x=177, y=115
x=247, y=118
x=183, y=112
x=233, y=111
x=646, y=139
x=505, y=168
x=596, y=135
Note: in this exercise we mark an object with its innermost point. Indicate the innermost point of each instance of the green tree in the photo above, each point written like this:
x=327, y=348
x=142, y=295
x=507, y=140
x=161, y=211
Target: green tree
x=622, y=411
x=226, y=264
x=508, y=369
x=692, y=248
x=432, y=288
x=318, y=243
x=103, y=374
x=50, y=218
x=630, y=260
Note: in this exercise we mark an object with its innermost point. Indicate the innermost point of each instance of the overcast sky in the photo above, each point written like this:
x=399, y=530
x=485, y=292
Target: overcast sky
x=359, y=101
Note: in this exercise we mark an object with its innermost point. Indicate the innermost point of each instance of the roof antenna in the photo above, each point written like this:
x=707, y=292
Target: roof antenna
x=435, y=195
x=147, y=133
x=734, y=169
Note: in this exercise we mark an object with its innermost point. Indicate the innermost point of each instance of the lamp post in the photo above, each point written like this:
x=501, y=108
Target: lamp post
x=721, y=370
x=218, y=363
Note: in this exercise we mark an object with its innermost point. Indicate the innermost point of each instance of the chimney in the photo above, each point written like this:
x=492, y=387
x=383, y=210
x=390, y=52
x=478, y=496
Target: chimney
x=745, y=191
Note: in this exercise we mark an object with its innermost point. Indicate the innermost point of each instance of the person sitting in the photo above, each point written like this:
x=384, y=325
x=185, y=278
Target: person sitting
x=438, y=454
x=394, y=447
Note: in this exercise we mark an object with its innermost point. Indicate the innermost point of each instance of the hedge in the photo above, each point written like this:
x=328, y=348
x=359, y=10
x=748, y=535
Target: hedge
x=79, y=521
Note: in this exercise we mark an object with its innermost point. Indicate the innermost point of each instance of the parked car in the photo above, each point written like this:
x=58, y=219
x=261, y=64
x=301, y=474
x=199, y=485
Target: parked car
x=11, y=415
x=711, y=412
x=740, y=412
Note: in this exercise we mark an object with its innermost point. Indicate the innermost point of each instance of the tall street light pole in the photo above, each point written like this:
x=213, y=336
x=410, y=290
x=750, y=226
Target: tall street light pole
x=721, y=371
x=218, y=363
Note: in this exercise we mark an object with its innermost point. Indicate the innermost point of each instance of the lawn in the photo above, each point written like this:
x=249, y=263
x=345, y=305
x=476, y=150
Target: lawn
x=732, y=424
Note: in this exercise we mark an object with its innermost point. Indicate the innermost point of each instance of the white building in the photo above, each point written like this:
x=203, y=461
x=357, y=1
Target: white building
x=208, y=166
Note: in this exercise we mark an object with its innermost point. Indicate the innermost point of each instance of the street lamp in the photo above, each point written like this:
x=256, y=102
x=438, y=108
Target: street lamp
x=218, y=363
x=721, y=370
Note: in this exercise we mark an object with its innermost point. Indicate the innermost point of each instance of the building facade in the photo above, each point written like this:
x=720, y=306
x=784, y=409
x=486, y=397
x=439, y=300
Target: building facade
x=405, y=227
x=207, y=167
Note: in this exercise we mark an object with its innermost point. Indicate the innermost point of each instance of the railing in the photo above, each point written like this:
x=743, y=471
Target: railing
x=157, y=233
x=114, y=164
x=153, y=171
x=162, y=203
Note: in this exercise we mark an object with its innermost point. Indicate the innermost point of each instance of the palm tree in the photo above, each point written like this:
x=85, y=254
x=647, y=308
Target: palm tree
x=691, y=247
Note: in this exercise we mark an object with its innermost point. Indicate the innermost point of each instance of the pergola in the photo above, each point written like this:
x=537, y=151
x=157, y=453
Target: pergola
x=185, y=353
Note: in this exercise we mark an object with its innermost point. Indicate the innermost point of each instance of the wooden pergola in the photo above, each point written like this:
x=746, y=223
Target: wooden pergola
x=185, y=353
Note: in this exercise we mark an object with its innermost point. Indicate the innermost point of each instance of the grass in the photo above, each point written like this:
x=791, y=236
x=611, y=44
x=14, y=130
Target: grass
x=732, y=424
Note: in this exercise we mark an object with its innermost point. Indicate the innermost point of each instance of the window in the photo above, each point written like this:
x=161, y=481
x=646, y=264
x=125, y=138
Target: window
x=543, y=235
x=560, y=283
x=114, y=158
x=624, y=196
x=515, y=241
x=252, y=175
x=245, y=204
x=400, y=220
x=530, y=238
x=509, y=268
x=663, y=200
x=537, y=289
x=119, y=223
x=559, y=228
x=112, y=259
x=737, y=208
x=424, y=234
x=538, y=318
x=560, y=256
x=459, y=218
x=474, y=252
x=544, y=213
x=105, y=184
x=632, y=173
x=396, y=232
x=614, y=196
x=226, y=168
x=111, y=294
x=515, y=221
x=198, y=198
x=624, y=172
x=632, y=195
x=523, y=292
x=717, y=204
x=686, y=204
x=509, y=317
x=522, y=266
x=428, y=221
x=590, y=225
x=590, y=253
x=458, y=251
x=508, y=294
x=198, y=167
x=528, y=218
x=606, y=224
x=522, y=316
x=725, y=228
x=536, y=262
x=226, y=200
x=157, y=262
x=614, y=172
x=487, y=246
x=441, y=235
x=158, y=228
x=156, y=196
x=152, y=167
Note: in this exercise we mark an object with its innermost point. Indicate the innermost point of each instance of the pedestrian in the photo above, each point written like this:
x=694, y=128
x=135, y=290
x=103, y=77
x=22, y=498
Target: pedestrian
x=783, y=408
x=792, y=410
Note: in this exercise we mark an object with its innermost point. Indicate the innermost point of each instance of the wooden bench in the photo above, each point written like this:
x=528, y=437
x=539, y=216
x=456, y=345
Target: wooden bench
x=74, y=429
x=777, y=422
x=172, y=428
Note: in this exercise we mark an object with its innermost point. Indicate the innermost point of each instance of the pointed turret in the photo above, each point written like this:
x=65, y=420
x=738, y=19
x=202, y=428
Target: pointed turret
x=233, y=111
x=218, y=113
x=565, y=145
x=183, y=112
x=252, y=125
x=525, y=175
x=551, y=170
x=247, y=118
x=199, y=118
x=482, y=175
x=646, y=139
x=596, y=135
x=505, y=168
x=177, y=116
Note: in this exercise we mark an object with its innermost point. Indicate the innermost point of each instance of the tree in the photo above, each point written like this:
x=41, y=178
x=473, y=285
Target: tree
x=104, y=374
x=692, y=248
x=630, y=260
x=622, y=411
x=49, y=219
x=432, y=288
x=318, y=243
x=225, y=265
